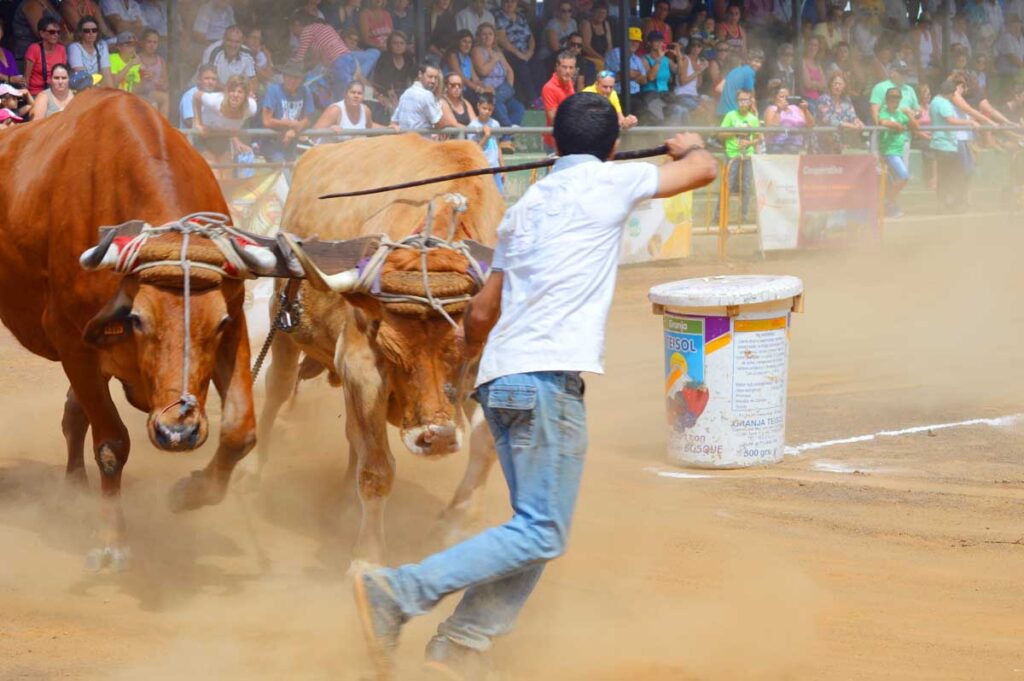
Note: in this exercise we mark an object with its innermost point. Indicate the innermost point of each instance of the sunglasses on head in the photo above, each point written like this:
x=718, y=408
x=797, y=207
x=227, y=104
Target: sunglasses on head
x=606, y=74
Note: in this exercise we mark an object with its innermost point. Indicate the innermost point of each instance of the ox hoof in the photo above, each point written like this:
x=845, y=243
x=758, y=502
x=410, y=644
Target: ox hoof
x=117, y=559
x=359, y=566
x=194, y=492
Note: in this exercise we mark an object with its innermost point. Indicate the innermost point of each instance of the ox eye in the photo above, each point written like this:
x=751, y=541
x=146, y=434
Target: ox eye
x=224, y=321
x=135, y=322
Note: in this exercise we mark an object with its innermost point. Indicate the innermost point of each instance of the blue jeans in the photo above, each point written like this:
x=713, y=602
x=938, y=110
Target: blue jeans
x=507, y=109
x=540, y=433
x=344, y=68
x=735, y=164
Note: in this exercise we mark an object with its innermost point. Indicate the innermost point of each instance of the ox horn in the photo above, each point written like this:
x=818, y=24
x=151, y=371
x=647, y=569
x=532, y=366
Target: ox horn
x=342, y=282
x=258, y=259
x=103, y=255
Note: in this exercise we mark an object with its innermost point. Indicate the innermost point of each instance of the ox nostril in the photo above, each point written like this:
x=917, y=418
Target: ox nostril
x=177, y=437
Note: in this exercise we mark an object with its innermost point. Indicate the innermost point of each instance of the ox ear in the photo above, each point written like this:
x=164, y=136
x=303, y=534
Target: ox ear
x=112, y=324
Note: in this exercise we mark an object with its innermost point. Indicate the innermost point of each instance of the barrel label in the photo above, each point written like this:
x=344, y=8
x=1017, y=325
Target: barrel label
x=759, y=367
x=685, y=393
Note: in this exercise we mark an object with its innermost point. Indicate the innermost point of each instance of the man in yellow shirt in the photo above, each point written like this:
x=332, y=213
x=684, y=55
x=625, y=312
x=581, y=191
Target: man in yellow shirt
x=605, y=86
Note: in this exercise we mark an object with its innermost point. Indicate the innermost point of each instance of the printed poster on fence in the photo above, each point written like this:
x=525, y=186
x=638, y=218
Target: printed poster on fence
x=816, y=201
x=257, y=202
x=658, y=229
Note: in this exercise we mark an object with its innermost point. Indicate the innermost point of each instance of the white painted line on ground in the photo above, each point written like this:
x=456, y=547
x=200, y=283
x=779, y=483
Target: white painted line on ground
x=998, y=422
x=677, y=474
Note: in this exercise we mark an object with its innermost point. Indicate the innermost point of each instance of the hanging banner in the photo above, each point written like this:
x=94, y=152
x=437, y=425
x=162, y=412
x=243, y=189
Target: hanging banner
x=257, y=203
x=817, y=201
x=659, y=229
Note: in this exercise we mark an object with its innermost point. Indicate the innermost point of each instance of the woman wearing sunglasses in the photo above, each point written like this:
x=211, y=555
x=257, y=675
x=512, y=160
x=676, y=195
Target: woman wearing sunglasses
x=89, y=55
x=25, y=23
x=41, y=57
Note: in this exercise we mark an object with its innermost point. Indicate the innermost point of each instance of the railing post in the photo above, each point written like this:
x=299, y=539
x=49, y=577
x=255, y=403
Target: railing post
x=723, y=210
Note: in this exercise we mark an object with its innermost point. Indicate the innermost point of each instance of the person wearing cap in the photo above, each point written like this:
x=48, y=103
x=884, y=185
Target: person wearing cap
x=8, y=118
x=125, y=63
x=287, y=108
x=605, y=86
x=897, y=79
x=637, y=73
x=18, y=101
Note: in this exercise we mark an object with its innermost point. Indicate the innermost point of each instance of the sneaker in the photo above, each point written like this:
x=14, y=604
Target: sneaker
x=381, y=618
x=445, y=659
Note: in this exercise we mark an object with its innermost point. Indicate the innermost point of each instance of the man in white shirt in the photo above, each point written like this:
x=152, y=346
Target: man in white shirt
x=475, y=14
x=212, y=20
x=232, y=58
x=123, y=15
x=545, y=307
x=418, y=107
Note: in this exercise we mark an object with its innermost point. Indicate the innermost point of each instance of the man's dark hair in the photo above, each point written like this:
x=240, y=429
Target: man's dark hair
x=586, y=123
x=430, y=62
x=485, y=98
x=565, y=54
x=47, y=20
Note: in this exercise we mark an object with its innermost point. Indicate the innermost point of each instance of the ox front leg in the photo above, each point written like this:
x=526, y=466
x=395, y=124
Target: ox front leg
x=282, y=377
x=75, y=424
x=233, y=381
x=464, y=508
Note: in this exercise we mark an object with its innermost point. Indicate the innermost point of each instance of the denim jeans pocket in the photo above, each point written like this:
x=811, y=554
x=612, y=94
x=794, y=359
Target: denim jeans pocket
x=513, y=409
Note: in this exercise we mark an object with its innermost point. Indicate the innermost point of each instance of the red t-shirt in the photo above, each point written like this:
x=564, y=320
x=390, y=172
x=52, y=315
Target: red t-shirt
x=36, y=83
x=554, y=93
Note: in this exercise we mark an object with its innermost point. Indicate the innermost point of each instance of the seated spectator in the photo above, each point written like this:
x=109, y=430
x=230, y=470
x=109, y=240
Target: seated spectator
x=348, y=16
x=558, y=89
x=322, y=43
x=926, y=50
x=453, y=101
x=605, y=86
x=124, y=63
x=516, y=41
x=731, y=31
x=9, y=72
x=898, y=124
x=154, y=15
x=287, y=109
x=375, y=25
x=261, y=56
x=661, y=66
x=813, y=75
x=40, y=58
x=153, y=73
x=395, y=72
x=89, y=56
x=312, y=8
x=830, y=32
x=472, y=16
x=419, y=107
x=206, y=81
x=348, y=114
x=841, y=62
x=212, y=20
x=441, y=27
x=691, y=69
x=864, y=34
x=28, y=22
x=73, y=11
x=958, y=36
x=18, y=101
x=742, y=77
x=835, y=109
x=8, y=119
x=497, y=75
x=491, y=148
x=123, y=15
x=55, y=98
x=905, y=52
x=404, y=19
x=460, y=60
x=787, y=112
x=1010, y=48
x=637, y=72
x=980, y=72
x=218, y=118
x=231, y=60
x=596, y=32
x=739, y=149
x=782, y=69
x=556, y=31
x=656, y=23
x=586, y=72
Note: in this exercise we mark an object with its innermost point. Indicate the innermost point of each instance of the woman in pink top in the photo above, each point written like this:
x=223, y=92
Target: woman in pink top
x=814, y=75
x=785, y=114
x=375, y=25
x=49, y=51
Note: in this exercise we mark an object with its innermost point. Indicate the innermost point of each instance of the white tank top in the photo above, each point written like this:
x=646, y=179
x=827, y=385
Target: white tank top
x=348, y=124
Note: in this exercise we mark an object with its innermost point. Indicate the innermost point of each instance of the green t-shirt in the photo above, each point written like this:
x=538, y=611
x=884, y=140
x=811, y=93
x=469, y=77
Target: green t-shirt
x=734, y=119
x=909, y=100
x=891, y=142
x=941, y=109
x=132, y=79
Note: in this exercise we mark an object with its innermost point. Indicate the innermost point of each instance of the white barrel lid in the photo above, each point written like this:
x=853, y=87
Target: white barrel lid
x=741, y=289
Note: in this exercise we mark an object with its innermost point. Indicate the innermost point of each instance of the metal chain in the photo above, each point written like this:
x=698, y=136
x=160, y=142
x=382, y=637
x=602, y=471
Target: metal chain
x=289, y=313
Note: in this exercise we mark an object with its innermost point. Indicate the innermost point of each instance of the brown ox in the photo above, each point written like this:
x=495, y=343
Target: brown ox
x=108, y=159
x=398, y=363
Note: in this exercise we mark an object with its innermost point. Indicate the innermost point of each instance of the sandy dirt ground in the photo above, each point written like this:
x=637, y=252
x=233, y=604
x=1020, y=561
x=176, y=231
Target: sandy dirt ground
x=900, y=557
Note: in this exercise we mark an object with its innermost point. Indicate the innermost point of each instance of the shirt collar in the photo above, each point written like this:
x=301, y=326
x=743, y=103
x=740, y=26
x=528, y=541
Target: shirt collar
x=573, y=160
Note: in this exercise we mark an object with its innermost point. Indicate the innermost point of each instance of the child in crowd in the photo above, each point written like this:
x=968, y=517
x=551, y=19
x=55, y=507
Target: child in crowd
x=18, y=102
x=8, y=118
x=492, y=152
x=897, y=122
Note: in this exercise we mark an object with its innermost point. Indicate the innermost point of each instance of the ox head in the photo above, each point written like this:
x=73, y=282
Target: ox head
x=141, y=334
x=419, y=350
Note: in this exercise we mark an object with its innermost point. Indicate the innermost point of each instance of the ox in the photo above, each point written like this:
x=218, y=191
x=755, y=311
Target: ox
x=398, y=362
x=111, y=158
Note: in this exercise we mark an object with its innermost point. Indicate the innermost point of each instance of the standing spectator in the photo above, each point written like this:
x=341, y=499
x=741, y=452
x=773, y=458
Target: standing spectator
x=897, y=79
x=691, y=69
x=375, y=25
x=41, y=57
x=560, y=27
x=124, y=63
x=123, y=15
x=89, y=56
x=656, y=23
x=231, y=60
x=395, y=72
x=497, y=75
x=287, y=108
x=28, y=18
x=492, y=150
x=558, y=89
x=897, y=123
x=349, y=114
x=261, y=56
x=605, y=86
x=154, y=14
x=661, y=66
x=784, y=113
x=597, y=35
x=813, y=74
x=739, y=149
x=73, y=11
x=836, y=109
x=637, y=75
x=472, y=16
x=53, y=99
x=212, y=21
x=740, y=78
x=218, y=118
x=516, y=41
x=952, y=177
x=441, y=27
x=153, y=84
x=419, y=107
x=453, y=101
x=731, y=31
x=9, y=72
x=321, y=42
x=206, y=81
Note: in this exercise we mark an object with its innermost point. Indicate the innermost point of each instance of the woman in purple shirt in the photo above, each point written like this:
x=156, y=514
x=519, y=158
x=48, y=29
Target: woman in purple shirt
x=9, y=72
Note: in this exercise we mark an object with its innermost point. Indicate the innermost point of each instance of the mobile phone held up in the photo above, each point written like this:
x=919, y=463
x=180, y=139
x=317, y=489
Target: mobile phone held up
x=795, y=100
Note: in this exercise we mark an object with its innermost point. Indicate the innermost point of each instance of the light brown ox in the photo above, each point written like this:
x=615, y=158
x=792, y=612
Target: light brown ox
x=398, y=364
x=110, y=158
